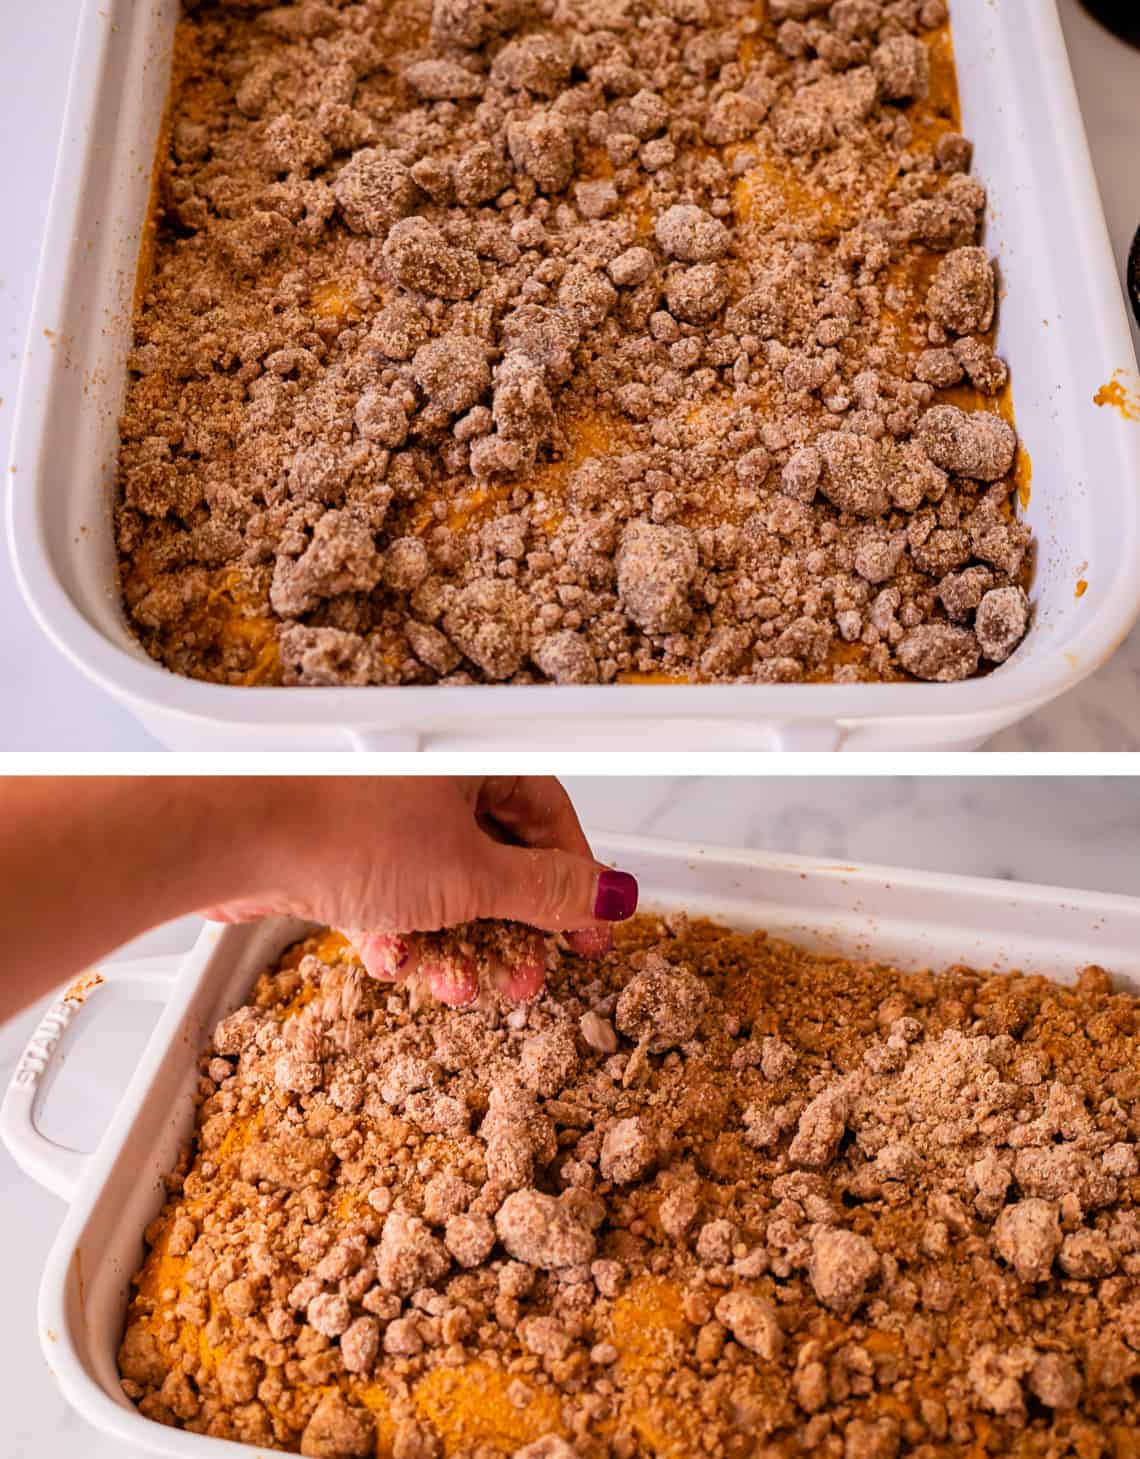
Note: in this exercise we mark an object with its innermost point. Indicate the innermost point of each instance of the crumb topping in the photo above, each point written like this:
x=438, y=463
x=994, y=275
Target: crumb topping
x=542, y=341
x=714, y=1194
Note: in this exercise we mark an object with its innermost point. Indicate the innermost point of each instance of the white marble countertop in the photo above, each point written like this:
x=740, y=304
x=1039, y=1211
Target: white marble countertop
x=55, y=708
x=1065, y=832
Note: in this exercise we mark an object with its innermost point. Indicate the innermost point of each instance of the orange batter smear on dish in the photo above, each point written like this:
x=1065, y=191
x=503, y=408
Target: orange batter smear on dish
x=1118, y=396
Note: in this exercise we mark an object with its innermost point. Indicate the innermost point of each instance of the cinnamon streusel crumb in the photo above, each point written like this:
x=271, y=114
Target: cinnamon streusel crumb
x=544, y=340
x=713, y=1195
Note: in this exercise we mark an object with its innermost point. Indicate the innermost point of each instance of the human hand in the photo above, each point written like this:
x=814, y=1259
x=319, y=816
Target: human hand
x=386, y=860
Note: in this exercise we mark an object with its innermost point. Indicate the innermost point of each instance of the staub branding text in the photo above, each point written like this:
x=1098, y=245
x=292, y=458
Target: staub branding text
x=39, y=1050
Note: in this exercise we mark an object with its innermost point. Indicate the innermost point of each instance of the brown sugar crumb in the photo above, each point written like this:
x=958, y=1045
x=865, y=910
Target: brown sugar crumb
x=516, y=343
x=842, y=1208
x=961, y=295
x=979, y=445
x=940, y=653
x=1003, y=616
x=476, y=954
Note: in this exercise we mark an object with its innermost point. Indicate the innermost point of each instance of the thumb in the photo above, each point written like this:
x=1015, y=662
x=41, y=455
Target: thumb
x=555, y=890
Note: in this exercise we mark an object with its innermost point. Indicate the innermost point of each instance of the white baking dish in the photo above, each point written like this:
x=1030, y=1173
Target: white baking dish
x=1063, y=327
x=909, y=918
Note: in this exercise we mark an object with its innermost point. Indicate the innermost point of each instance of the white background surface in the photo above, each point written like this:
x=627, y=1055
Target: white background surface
x=1076, y=833
x=48, y=705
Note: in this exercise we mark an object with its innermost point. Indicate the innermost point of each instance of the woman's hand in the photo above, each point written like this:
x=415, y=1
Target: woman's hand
x=87, y=863
x=385, y=859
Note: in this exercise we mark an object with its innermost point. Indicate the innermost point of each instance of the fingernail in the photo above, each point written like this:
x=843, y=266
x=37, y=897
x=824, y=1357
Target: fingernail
x=591, y=942
x=616, y=897
x=386, y=956
x=455, y=991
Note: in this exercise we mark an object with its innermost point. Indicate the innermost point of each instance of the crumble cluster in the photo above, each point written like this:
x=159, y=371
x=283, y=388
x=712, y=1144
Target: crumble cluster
x=713, y=1195
x=542, y=340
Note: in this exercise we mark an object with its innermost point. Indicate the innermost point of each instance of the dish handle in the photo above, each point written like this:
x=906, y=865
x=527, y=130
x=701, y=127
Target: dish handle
x=50, y=1164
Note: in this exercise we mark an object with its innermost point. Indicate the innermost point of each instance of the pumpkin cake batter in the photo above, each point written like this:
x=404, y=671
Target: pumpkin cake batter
x=569, y=340
x=713, y=1195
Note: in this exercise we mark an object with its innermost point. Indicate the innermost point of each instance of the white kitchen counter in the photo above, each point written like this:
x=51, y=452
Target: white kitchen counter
x=1076, y=833
x=49, y=705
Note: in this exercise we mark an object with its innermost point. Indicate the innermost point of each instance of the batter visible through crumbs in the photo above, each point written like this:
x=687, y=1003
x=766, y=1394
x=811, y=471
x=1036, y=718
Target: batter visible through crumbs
x=569, y=340
x=714, y=1195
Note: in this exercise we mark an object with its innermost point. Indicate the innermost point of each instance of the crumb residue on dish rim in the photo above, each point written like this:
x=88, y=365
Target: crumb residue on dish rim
x=78, y=991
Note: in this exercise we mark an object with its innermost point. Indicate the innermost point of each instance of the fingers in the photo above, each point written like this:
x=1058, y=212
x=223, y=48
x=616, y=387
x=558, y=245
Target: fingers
x=535, y=810
x=394, y=959
x=590, y=941
x=386, y=956
x=522, y=979
x=550, y=881
x=554, y=890
x=454, y=981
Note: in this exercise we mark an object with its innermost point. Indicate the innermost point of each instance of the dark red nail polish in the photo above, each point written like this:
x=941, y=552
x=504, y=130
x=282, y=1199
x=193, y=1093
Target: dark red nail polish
x=616, y=897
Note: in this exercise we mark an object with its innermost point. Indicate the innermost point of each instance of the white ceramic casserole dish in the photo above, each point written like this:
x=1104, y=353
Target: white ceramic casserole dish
x=1063, y=327
x=912, y=919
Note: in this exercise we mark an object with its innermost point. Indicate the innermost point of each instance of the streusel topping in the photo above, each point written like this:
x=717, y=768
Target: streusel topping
x=713, y=1195
x=515, y=340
